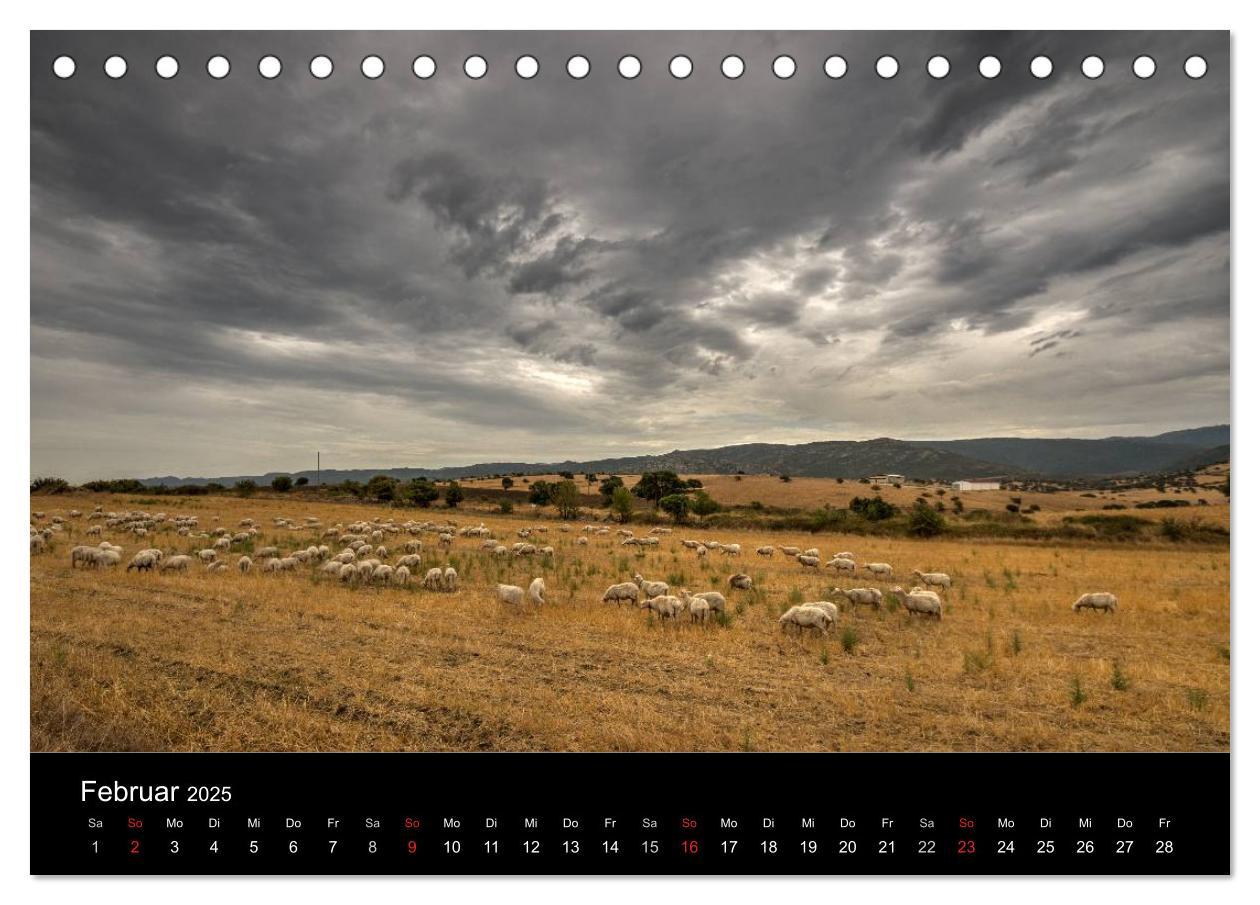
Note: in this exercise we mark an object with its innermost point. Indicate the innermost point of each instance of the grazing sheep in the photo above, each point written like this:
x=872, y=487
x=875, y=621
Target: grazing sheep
x=511, y=594
x=809, y=562
x=84, y=555
x=410, y=561
x=626, y=590
x=413, y=546
x=217, y=567
x=926, y=593
x=179, y=563
x=879, y=568
x=331, y=568
x=827, y=607
x=812, y=551
x=267, y=552
x=862, y=596
x=207, y=555
x=446, y=540
x=933, y=579
x=664, y=606
x=715, y=600
x=272, y=565
x=651, y=588
x=402, y=576
x=349, y=573
x=223, y=543
x=921, y=603
x=740, y=581
x=730, y=549
x=790, y=551
x=382, y=574
x=765, y=551
x=38, y=544
x=840, y=564
x=699, y=609
x=142, y=562
x=93, y=531
x=1098, y=600
x=583, y=541
x=803, y=617
x=702, y=551
x=537, y=592
x=844, y=555
x=500, y=550
x=450, y=580
x=433, y=579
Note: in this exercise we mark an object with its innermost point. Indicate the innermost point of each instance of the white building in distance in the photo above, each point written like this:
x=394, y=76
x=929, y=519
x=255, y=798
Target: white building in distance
x=976, y=485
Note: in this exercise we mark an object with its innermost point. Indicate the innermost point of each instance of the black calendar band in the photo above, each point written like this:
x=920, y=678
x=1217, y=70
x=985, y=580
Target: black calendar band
x=824, y=814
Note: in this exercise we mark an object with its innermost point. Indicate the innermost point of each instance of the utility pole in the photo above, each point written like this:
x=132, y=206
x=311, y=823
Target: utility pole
x=318, y=480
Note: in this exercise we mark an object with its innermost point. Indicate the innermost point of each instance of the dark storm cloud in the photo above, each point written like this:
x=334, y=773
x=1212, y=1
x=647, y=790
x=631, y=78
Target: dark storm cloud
x=460, y=267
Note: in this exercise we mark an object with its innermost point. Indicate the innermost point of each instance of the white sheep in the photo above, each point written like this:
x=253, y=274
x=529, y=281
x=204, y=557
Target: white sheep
x=715, y=599
x=402, y=576
x=382, y=574
x=702, y=551
x=179, y=563
x=740, y=581
x=1098, y=600
x=765, y=551
x=665, y=606
x=626, y=590
x=510, y=594
x=803, y=617
x=410, y=561
x=827, y=607
x=651, y=588
x=537, y=592
x=433, y=579
x=699, y=609
x=450, y=580
x=217, y=566
x=349, y=573
x=862, y=596
x=730, y=549
x=842, y=564
x=790, y=551
x=583, y=541
x=207, y=555
x=921, y=603
x=38, y=544
x=879, y=568
x=809, y=562
x=142, y=562
x=332, y=567
x=933, y=579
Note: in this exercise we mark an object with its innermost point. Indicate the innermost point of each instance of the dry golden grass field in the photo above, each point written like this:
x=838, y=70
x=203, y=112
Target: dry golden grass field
x=295, y=661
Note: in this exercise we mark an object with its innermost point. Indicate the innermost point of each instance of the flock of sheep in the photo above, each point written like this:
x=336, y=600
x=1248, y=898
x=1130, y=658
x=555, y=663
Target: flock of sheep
x=363, y=554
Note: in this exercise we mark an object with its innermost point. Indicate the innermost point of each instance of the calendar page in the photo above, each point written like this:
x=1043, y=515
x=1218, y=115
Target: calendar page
x=646, y=452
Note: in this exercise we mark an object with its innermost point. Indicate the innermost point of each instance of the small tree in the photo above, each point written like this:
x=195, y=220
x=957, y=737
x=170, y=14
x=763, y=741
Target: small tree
x=566, y=475
x=49, y=485
x=608, y=485
x=677, y=505
x=622, y=504
x=591, y=478
x=454, y=495
x=245, y=488
x=926, y=521
x=381, y=488
x=302, y=481
x=507, y=483
x=785, y=478
x=839, y=480
x=421, y=491
x=703, y=504
x=655, y=485
x=282, y=483
x=565, y=496
x=505, y=506
x=540, y=493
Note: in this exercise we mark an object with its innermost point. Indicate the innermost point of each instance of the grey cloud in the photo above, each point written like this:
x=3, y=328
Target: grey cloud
x=483, y=257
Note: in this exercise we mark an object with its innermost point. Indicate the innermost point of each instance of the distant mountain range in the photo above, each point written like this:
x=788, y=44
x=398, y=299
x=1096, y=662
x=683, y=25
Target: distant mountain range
x=947, y=460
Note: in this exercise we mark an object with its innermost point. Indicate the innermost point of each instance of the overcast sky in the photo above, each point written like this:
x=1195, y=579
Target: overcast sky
x=229, y=275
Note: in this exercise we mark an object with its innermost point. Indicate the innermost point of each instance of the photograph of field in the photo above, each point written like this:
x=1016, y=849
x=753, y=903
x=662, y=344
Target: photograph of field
x=301, y=660
x=629, y=392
